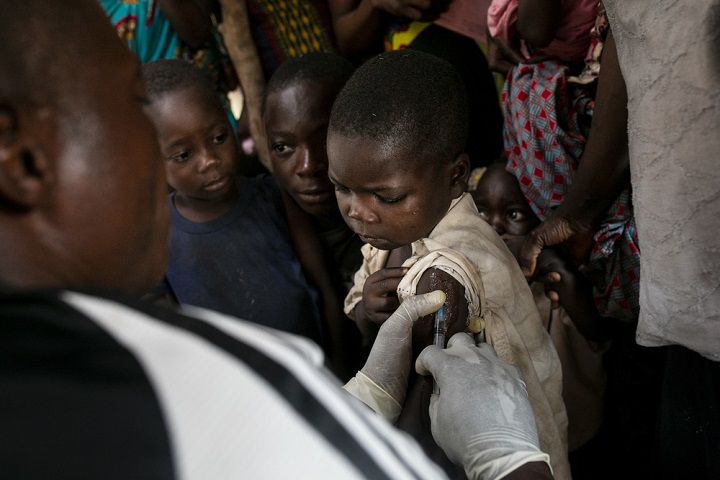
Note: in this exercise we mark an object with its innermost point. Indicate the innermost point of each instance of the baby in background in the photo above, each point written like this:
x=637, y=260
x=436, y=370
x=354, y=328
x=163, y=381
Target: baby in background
x=567, y=310
x=396, y=150
x=230, y=248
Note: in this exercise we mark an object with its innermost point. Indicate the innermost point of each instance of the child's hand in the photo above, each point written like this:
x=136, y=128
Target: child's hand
x=502, y=57
x=550, y=271
x=568, y=287
x=380, y=294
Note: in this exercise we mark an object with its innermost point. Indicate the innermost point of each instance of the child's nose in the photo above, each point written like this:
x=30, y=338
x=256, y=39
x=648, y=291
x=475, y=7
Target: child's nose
x=311, y=163
x=497, y=223
x=358, y=211
x=207, y=161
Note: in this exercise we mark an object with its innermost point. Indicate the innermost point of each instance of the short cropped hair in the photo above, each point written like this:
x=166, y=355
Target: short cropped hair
x=320, y=66
x=405, y=99
x=172, y=74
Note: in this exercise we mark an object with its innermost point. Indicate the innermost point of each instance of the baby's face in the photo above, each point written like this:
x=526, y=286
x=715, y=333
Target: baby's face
x=388, y=196
x=197, y=142
x=296, y=121
x=502, y=204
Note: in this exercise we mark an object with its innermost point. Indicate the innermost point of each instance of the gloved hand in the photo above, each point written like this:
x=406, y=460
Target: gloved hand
x=482, y=417
x=382, y=383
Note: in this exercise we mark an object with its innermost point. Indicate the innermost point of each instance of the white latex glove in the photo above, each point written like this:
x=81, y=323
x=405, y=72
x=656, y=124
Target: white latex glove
x=482, y=416
x=382, y=383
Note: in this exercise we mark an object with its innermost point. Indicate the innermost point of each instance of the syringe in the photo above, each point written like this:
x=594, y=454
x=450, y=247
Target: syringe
x=439, y=337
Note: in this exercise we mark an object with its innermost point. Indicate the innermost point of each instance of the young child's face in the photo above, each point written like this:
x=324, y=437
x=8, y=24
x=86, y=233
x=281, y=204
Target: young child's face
x=502, y=204
x=197, y=142
x=296, y=121
x=389, y=196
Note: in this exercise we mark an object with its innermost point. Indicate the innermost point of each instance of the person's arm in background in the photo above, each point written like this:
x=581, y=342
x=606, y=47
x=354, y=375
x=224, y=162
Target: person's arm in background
x=603, y=173
x=189, y=18
x=538, y=21
x=343, y=339
x=359, y=25
x=503, y=39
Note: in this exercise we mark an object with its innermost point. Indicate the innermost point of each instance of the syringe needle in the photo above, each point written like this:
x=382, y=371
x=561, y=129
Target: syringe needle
x=439, y=337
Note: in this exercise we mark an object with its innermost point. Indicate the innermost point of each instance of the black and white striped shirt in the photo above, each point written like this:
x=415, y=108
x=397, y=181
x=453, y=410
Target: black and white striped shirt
x=104, y=387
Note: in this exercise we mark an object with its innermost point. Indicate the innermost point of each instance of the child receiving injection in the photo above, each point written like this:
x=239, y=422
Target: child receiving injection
x=396, y=156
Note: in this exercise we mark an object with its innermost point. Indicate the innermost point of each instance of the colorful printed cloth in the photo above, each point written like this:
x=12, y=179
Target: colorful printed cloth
x=400, y=34
x=213, y=59
x=288, y=29
x=148, y=33
x=546, y=127
x=144, y=28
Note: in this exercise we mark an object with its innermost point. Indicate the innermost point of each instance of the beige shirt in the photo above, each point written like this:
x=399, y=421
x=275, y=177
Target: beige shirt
x=466, y=247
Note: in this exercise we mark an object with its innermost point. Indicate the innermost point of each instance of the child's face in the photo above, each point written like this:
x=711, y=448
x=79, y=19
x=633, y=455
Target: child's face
x=296, y=121
x=197, y=142
x=388, y=195
x=502, y=204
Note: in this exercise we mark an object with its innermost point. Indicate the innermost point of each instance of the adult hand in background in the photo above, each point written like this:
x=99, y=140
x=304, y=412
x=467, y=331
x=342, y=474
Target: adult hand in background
x=575, y=234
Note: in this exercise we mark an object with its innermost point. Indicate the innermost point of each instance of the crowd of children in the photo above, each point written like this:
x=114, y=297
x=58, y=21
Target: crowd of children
x=400, y=151
x=386, y=180
x=98, y=383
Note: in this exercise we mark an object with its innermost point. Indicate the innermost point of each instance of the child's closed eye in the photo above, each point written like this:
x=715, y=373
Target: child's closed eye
x=389, y=200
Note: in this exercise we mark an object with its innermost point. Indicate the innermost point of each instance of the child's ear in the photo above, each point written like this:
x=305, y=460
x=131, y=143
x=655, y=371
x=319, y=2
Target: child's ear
x=460, y=174
x=24, y=172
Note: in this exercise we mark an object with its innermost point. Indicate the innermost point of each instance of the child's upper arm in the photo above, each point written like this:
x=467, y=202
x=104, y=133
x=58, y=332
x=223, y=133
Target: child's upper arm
x=456, y=307
x=538, y=21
